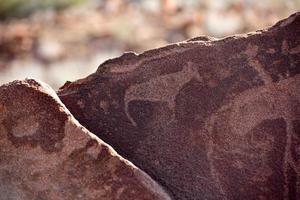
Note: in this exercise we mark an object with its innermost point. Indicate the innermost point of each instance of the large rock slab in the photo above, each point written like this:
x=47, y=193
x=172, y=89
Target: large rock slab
x=207, y=118
x=46, y=154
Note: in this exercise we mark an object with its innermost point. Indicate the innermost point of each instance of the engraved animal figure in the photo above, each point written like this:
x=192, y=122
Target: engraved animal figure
x=162, y=88
x=244, y=113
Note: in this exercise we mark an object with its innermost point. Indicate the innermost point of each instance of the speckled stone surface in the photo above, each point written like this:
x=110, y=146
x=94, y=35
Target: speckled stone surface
x=45, y=154
x=206, y=118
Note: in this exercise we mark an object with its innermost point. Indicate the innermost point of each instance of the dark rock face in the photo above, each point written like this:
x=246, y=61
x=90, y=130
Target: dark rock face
x=46, y=154
x=208, y=119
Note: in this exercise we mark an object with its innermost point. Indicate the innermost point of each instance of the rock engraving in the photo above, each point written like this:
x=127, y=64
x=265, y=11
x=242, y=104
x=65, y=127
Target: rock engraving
x=163, y=88
x=255, y=108
x=226, y=126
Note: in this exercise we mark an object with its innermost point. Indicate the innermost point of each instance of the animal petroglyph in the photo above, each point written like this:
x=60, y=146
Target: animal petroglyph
x=251, y=52
x=163, y=88
x=231, y=134
x=245, y=113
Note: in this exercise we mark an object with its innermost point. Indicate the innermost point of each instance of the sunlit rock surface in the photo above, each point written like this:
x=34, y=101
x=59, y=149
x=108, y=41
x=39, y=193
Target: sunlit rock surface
x=46, y=154
x=206, y=118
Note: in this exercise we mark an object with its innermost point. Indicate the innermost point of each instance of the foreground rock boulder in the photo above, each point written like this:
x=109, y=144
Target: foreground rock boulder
x=46, y=154
x=206, y=118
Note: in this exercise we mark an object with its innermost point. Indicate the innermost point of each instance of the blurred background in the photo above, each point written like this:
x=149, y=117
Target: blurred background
x=59, y=40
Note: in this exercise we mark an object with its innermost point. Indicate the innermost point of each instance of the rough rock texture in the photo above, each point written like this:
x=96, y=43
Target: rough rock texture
x=46, y=154
x=206, y=118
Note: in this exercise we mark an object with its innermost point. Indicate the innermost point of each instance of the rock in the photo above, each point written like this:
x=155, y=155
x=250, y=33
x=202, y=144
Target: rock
x=46, y=154
x=206, y=118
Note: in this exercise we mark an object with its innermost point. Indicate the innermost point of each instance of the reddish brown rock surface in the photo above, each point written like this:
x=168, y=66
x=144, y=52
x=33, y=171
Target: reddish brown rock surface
x=206, y=118
x=46, y=154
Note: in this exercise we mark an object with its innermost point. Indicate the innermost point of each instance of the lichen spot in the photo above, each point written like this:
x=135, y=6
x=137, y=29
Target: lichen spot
x=119, y=192
x=104, y=105
x=285, y=47
x=271, y=51
x=116, y=69
x=94, y=151
x=212, y=83
x=25, y=127
x=80, y=103
x=295, y=50
x=238, y=164
x=251, y=50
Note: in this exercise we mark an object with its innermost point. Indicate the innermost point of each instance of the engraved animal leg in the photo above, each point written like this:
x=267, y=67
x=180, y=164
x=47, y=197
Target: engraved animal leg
x=171, y=104
x=128, y=114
